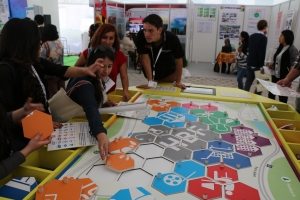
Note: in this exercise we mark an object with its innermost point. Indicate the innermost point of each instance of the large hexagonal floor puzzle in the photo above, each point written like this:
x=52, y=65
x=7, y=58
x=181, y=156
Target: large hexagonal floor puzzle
x=194, y=149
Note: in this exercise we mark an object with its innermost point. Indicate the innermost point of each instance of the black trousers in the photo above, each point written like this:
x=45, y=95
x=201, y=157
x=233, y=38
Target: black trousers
x=282, y=99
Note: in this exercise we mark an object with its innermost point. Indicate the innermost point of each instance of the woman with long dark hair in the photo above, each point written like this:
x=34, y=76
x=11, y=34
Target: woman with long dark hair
x=89, y=93
x=22, y=71
x=284, y=57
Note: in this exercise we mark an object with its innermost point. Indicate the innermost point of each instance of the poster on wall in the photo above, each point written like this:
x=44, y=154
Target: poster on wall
x=229, y=20
x=116, y=16
x=229, y=31
x=206, y=13
x=204, y=27
x=289, y=19
x=134, y=19
x=178, y=20
x=255, y=14
x=4, y=13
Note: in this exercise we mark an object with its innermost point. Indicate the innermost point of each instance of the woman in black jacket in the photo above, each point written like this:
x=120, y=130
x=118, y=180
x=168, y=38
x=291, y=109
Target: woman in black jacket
x=9, y=158
x=22, y=71
x=284, y=57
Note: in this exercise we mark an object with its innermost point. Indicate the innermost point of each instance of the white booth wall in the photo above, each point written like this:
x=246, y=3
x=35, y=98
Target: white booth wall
x=50, y=7
x=203, y=47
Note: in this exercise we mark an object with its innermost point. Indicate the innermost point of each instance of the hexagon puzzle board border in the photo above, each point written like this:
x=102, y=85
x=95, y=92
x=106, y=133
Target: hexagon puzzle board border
x=195, y=149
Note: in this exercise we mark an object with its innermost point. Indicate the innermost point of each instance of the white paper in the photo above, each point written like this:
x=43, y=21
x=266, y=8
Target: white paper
x=140, y=112
x=198, y=90
x=278, y=90
x=152, y=84
x=109, y=84
x=122, y=107
x=268, y=71
x=243, y=95
x=71, y=135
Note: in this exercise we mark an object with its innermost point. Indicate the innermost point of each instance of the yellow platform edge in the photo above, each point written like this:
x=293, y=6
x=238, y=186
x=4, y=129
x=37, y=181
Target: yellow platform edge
x=45, y=166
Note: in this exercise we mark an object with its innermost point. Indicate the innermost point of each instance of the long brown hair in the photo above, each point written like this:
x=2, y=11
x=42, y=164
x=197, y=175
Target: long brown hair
x=99, y=34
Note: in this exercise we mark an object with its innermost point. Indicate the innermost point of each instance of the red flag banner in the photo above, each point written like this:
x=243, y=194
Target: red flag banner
x=103, y=11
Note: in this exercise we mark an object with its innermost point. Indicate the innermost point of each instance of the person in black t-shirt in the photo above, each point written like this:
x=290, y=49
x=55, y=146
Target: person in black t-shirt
x=160, y=52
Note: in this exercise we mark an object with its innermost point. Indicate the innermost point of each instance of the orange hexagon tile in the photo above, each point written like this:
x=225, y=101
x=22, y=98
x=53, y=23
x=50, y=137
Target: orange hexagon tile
x=119, y=162
x=37, y=122
x=122, y=145
x=57, y=189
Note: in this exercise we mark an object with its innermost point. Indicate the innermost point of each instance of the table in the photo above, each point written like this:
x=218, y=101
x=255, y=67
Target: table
x=193, y=146
x=225, y=58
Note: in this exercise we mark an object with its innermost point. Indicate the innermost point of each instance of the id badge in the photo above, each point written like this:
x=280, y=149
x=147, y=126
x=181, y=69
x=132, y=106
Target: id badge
x=108, y=84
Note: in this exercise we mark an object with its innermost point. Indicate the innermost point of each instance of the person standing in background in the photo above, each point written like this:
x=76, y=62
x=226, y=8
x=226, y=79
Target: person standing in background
x=257, y=52
x=52, y=50
x=284, y=57
x=290, y=77
x=160, y=52
x=39, y=19
x=241, y=59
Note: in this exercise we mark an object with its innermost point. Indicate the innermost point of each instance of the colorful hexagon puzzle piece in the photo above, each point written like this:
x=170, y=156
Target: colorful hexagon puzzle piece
x=122, y=145
x=68, y=188
x=119, y=162
x=37, y=122
x=56, y=189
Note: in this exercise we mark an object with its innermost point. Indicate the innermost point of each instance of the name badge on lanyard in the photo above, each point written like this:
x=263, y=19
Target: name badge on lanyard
x=108, y=84
x=155, y=61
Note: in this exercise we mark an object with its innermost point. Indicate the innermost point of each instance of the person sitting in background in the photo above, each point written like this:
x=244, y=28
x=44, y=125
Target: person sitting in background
x=241, y=59
x=9, y=158
x=22, y=71
x=284, y=57
x=90, y=94
x=107, y=35
x=227, y=48
x=52, y=49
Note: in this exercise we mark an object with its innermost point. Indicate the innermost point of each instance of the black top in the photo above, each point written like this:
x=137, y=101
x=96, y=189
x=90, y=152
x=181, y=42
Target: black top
x=9, y=164
x=297, y=63
x=227, y=49
x=18, y=83
x=9, y=160
x=171, y=50
x=288, y=59
x=89, y=98
x=257, y=50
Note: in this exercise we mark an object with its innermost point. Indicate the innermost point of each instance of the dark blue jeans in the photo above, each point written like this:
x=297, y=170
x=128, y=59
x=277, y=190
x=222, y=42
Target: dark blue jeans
x=241, y=73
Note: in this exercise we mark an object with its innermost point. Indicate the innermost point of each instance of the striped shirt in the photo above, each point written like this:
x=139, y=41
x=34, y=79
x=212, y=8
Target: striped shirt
x=241, y=60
